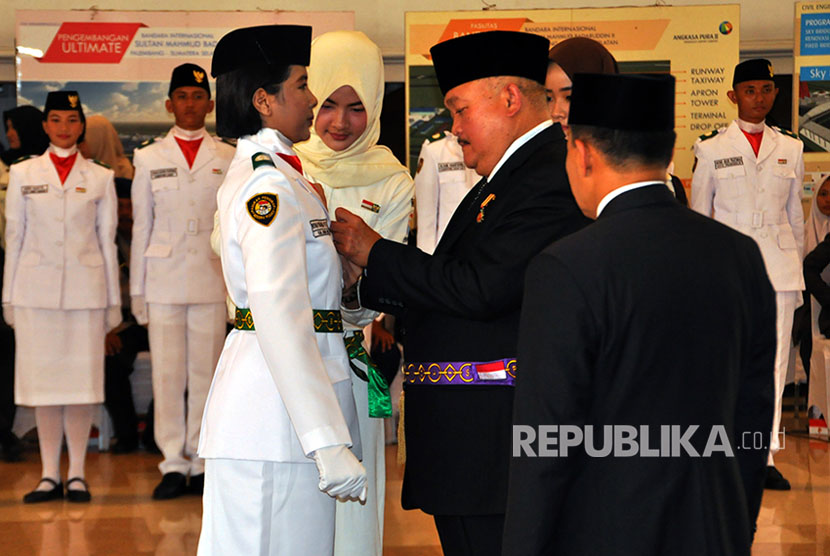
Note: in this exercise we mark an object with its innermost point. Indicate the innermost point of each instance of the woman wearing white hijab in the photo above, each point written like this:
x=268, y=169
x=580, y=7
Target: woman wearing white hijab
x=346, y=74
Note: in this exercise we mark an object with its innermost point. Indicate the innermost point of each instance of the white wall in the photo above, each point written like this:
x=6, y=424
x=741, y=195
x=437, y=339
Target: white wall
x=767, y=25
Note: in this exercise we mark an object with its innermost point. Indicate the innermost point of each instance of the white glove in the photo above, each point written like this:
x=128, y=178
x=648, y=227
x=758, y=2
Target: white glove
x=139, y=309
x=113, y=317
x=341, y=474
x=8, y=314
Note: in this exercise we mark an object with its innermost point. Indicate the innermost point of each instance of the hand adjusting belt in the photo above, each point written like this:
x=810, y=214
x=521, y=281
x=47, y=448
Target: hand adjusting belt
x=325, y=320
x=501, y=372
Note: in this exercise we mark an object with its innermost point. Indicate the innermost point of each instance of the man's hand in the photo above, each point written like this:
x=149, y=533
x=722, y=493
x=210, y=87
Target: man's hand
x=112, y=344
x=381, y=337
x=352, y=237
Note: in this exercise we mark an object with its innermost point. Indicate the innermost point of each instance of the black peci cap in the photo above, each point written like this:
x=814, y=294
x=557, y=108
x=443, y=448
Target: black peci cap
x=63, y=100
x=273, y=45
x=188, y=75
x=624, y=102
x=758, y=69
x=490, y=54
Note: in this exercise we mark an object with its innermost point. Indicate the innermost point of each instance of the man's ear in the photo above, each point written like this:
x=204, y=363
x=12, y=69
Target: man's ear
x=732, y=97
x=512, y=98
x=584, y=157
x=261, y=102
x=168, y=104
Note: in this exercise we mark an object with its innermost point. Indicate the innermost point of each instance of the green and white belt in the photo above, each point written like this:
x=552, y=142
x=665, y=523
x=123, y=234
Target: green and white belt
x=325, y=320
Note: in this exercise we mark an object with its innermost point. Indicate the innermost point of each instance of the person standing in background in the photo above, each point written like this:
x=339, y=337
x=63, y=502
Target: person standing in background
x=61, y=283
x=126, y=341
x=175, y=278
x=346, y=74
x=24, y=132
x=441, y=182
x=749, y=176
x=101, y=142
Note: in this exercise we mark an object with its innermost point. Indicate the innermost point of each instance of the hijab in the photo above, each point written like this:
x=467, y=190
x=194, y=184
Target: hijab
x=27, y=121
x=582, y=55
x=348, y=58
x=104, y=145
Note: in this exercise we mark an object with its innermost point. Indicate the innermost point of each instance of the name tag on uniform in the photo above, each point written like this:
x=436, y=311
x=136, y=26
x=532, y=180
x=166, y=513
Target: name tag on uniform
x=32, y=189
x=319, y=227
x=782, y=161
x=164, y=173
x=217, y=171
x=450, y=166
x=728, y=162
x=80, y=189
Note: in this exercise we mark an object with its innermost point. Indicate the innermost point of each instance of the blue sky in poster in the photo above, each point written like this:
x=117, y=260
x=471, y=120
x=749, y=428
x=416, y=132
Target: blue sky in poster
x=120, y=102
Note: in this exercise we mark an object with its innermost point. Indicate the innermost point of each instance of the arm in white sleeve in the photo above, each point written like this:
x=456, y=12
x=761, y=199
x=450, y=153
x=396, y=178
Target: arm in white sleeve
x=795, y=213
x=15, y=228
x=703, y=184
x=426, y=200
x=277, y=282
x=106, y=224
x=142, y=198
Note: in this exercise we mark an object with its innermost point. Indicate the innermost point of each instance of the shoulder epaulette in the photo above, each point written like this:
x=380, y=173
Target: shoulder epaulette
x=786, y=132
x=436, y=136
x=262, y=159
x=227, y=141
x=99, y=163
x=147, y=143
x=25, y=157
x=709, y=135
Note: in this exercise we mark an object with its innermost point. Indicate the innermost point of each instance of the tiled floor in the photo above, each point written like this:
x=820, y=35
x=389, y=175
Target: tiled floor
x=123, y=520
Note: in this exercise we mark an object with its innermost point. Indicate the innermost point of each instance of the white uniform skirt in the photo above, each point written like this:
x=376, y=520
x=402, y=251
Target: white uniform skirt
x=59, y=358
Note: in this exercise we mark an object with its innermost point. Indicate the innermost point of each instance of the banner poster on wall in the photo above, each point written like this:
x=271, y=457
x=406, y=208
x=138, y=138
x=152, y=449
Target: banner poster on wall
x=697, y=44
x=811, y=88
x=120, y=62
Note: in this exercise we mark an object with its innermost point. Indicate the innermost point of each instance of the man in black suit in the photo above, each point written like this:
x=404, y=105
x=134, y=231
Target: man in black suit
x=601, y=355
x=461, y=304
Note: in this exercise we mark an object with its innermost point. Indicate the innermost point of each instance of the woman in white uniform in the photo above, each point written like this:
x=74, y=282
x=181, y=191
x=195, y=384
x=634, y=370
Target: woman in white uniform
x=346, y=74
x=60, y=291
x=281, y=398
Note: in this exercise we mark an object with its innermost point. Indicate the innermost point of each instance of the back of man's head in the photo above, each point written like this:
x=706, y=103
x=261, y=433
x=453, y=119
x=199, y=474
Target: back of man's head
x=633, y=127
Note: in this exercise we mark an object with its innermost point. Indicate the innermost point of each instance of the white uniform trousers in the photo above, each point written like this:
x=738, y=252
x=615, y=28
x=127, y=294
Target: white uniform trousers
x=784, y=307
x=359, y=527
x=265, y=508
x=185, y=343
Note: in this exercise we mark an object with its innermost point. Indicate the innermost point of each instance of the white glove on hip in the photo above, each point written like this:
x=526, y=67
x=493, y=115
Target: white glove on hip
x=139, y=309
x=113, y=317
x=341, y=474
x=8, y=314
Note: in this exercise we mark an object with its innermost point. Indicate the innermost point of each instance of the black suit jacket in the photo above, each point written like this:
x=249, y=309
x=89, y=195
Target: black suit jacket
x=462, y=304
x=599, y=345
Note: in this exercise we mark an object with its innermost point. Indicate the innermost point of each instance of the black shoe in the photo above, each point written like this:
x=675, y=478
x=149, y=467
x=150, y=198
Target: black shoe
x=12, y=448
x=197, y=484
x=125, y=445
x=172, y=485
x=37, y=496
x=775, y=480
x=77, y=496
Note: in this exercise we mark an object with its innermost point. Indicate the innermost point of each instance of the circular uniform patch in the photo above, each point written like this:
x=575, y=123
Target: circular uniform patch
x=263, y=208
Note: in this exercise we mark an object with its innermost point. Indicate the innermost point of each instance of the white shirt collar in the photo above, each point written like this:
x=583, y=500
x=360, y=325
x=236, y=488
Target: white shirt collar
x=750, y=127
x=63, y=153
x=620, y=190
x=515, y=145
x=188, y=134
